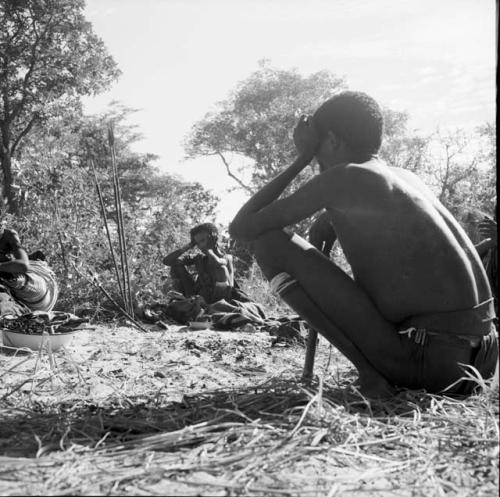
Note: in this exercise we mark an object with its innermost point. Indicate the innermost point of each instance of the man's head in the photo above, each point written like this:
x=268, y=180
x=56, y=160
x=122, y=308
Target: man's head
x=350, y=127
x=205, y=236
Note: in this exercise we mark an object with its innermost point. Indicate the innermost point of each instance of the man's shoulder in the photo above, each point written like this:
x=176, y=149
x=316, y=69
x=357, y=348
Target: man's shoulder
x=377, y=172
x=351, y=170
x=373, y=174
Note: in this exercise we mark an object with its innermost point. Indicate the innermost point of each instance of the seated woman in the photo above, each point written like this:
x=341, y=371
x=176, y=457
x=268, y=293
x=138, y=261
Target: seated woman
x=214, y=271
x=25, y=285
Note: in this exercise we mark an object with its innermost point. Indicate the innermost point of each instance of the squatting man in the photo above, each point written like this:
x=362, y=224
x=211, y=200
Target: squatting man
x=419, y=308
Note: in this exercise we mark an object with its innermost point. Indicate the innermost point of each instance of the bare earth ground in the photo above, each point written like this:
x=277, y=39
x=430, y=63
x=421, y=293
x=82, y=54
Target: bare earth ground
x=181, y=412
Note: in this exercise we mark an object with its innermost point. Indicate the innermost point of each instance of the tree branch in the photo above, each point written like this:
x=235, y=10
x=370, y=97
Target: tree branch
x=445, y=186
x=23, y=133
x=18, y=108
x=232, y=175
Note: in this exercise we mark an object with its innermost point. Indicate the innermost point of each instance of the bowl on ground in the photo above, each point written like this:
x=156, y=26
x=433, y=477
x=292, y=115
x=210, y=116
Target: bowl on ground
x=200, y=325
x=19, y=340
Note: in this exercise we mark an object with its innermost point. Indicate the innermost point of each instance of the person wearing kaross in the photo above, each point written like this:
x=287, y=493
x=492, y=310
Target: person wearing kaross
x=26, y=282
x=214, y=273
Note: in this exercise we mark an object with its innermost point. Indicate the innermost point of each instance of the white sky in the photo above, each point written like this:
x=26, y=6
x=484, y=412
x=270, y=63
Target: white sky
x=435, y=59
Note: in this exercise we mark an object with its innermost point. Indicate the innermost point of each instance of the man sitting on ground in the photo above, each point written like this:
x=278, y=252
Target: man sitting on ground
x=419, y=309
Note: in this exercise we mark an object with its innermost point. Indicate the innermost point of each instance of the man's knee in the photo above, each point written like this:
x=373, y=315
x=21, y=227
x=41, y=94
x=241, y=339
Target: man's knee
x=268, y=250
x=265, y=246
x=176, y=269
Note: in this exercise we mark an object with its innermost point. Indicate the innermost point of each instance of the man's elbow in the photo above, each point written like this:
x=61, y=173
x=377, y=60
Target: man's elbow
x=167, y=261
x=234, y=230
x=240, y=231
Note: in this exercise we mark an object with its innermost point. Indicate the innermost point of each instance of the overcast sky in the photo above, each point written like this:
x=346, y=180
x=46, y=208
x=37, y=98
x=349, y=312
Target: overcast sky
x=435, y=59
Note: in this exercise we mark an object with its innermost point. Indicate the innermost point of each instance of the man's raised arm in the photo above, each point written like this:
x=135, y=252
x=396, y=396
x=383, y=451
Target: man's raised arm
x=245, y=225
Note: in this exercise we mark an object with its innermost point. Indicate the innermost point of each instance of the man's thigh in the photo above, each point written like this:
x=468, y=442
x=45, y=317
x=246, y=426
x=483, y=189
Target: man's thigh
x=344, y=302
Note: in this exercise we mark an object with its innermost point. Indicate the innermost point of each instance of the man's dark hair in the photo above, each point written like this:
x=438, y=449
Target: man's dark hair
x=353, y=116
x=208, y=228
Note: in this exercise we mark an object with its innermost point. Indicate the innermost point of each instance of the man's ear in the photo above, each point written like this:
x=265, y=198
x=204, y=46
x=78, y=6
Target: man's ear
x=334, y=141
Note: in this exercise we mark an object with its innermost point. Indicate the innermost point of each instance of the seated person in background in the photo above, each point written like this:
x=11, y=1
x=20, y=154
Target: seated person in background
x=214, y=272
x=322, y=235
x=419, y=308
x=26, y=283
x=488, y=251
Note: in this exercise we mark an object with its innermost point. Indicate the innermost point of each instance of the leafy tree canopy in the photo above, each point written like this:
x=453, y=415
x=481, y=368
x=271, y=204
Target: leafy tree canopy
x=48, y=54
x=255, y=123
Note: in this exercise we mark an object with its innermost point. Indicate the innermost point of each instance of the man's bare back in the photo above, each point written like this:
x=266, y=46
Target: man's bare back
x=398, y=243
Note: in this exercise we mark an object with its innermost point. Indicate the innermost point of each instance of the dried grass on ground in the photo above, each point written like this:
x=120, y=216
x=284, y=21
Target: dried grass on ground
x=208, y=413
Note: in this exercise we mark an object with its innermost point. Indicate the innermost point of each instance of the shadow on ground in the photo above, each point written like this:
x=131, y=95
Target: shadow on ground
x=35, y=432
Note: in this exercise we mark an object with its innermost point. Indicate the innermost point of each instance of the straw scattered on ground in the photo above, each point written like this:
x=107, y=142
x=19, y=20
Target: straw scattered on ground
x=208, y=413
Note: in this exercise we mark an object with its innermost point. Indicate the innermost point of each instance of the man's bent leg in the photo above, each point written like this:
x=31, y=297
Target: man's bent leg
x=332, y=302
x=182, y=280
x=372, y=383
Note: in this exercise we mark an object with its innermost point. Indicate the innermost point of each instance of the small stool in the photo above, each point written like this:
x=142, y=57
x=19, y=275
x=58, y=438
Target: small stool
x=312, y=340
x=323, y=239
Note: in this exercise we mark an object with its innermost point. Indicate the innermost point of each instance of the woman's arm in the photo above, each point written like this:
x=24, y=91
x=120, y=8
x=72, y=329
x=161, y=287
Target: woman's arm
x=230, y=267
x=169, y=259
x=20, y=263
x=218, y=258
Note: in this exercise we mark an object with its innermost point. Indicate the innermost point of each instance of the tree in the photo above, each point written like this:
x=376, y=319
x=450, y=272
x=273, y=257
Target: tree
x=251, y=130
x=401, y=147
x=460, y=167
x=49, y=56
x=60, y=213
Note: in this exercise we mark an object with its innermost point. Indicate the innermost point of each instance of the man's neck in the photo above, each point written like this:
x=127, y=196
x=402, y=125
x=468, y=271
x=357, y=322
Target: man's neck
x=353, y=159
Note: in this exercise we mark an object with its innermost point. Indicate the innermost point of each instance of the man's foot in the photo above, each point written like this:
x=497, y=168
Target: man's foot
x=375, y=388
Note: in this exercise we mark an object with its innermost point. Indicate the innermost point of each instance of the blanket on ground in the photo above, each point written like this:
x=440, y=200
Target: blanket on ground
x=182, y=310
x=223, y=316
x=9, y=306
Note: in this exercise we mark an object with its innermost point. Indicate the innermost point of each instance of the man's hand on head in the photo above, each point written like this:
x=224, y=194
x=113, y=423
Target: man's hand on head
x=306, y=137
